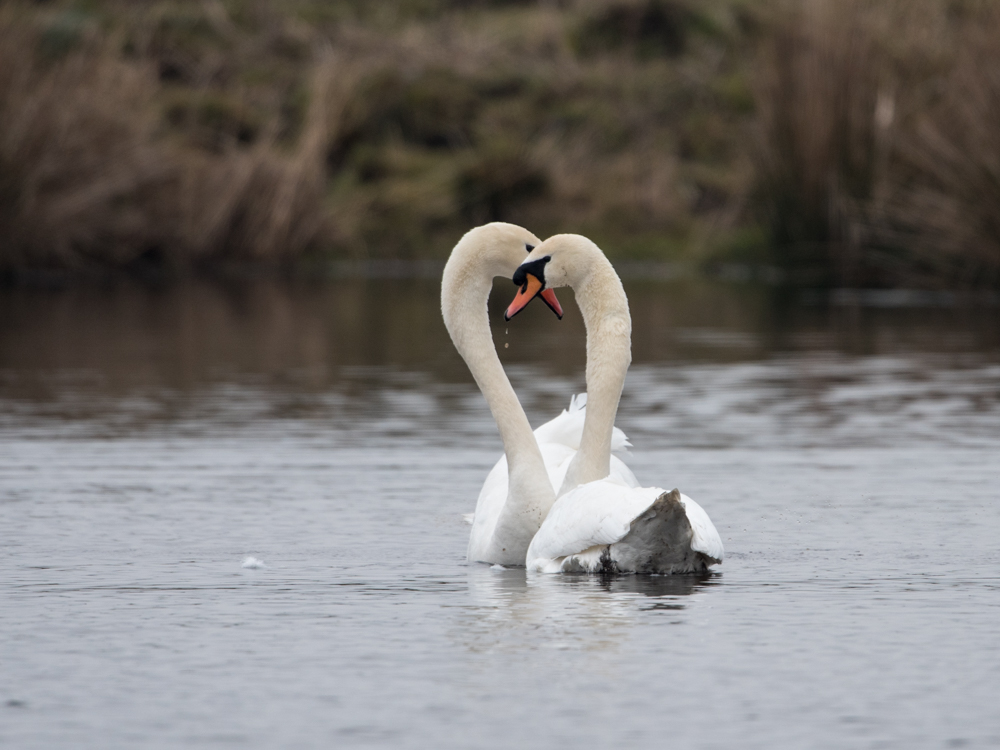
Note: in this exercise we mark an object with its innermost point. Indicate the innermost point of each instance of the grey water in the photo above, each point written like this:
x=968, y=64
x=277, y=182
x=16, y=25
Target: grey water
x=153, y=439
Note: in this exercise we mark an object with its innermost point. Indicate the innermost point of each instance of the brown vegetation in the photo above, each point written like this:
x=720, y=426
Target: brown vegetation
x=211, y=130
x=878, y=162
x=857, y=133
x=945, y=206
x=87, y=178
x=77, y=169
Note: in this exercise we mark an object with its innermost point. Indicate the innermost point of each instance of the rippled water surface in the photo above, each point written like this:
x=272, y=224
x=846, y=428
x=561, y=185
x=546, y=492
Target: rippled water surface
x=153, y=439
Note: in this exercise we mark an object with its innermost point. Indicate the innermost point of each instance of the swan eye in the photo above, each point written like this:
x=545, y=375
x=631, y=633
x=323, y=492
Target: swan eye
x=534, y=268
x=528, y=247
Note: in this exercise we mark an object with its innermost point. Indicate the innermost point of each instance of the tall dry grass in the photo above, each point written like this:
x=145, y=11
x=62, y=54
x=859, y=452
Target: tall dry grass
x=877, y=158
x=825, y=111
x=259, y=203
x=78, y=168
x=188, y=133
x=945, y=205
x=236, y=139
x=87, y=178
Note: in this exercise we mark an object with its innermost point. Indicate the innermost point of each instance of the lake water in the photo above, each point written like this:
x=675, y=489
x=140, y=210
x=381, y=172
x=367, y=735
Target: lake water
x=153, y=439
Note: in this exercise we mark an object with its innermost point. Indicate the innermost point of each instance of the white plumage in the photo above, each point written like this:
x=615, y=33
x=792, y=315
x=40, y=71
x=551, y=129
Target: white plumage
x=608, y=526
x=601, y=523
x=521, y=488
x=559, y=440
x=602, y=520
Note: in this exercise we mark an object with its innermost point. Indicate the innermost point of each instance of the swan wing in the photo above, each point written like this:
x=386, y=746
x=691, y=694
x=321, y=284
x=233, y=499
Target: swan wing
x=609, y=526
x=491, y=500
x=620, y=472
x=567, y=428
x=559, y=440
x=594, y=514
x=705, y=537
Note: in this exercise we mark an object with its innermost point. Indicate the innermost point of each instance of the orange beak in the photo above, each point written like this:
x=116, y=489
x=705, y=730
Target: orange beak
x=549, y=298
x=532, y=288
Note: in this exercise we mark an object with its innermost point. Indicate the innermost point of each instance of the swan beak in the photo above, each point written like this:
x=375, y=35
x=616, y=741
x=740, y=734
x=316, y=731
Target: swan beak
x=549, y=298
x=533, y=287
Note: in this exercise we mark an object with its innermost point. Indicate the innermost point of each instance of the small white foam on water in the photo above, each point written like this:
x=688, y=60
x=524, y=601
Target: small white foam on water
x=497, y=567
x=253, y=563
x=469, y=518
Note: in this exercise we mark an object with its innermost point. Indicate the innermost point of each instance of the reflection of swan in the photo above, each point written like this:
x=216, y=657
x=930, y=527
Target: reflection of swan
x=519, y=490
x=600, y=523
x=512, y=610
x=659, y=587
x=510, y=588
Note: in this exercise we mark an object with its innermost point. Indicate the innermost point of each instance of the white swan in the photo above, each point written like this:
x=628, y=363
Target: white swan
x=519, y=490
x=599, y=523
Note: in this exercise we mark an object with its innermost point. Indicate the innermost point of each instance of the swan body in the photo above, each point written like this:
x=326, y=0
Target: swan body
x=608, y=526
x=558, y=439
x=520, y=490
x=600, y=523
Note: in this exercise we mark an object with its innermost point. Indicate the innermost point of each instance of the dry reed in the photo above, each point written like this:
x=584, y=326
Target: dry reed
x=188, y=133
x=416, y=126
x=945, y=208
x=86, y=179
x=77, y=169
x=877, y=159
x=821, y=135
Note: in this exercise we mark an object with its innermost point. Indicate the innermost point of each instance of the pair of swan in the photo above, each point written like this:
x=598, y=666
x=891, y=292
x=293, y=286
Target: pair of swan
x=600, y=519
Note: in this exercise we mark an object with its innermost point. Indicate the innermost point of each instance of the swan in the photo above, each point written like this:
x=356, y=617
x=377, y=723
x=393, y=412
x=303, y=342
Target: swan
x=520, y=489
x=599, y=523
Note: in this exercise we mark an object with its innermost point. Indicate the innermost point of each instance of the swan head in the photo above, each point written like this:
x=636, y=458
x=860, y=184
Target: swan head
x=494, y=249
x=487, y=251
x=562, y=260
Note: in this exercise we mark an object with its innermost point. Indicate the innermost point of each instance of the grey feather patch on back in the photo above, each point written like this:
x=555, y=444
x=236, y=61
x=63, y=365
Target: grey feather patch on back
x=658, y=541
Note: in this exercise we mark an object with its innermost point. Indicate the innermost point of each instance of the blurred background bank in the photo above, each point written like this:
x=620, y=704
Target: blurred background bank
x=801, y=142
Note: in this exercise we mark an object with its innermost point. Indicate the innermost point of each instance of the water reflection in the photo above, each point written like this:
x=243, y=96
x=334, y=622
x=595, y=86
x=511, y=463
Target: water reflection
x=514, y=610
x=661, y=586
x=310, y=336
x=375, y=353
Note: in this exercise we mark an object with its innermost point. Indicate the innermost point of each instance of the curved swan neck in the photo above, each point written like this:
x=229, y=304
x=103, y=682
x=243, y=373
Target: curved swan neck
x=465, y=291
x=602, y=301
x=467, y=319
